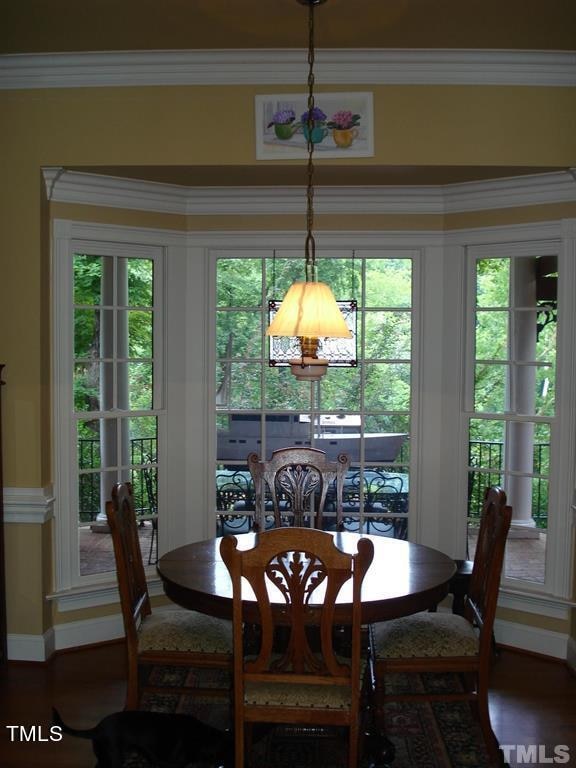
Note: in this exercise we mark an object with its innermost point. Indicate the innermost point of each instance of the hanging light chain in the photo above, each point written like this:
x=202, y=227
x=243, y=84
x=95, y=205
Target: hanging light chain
x=310, y=245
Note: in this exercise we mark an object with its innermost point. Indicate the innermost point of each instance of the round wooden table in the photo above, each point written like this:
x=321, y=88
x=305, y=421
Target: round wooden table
x=404, y=578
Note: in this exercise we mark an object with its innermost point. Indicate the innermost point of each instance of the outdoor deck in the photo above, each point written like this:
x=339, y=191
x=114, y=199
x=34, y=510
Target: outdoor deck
x=524, y=557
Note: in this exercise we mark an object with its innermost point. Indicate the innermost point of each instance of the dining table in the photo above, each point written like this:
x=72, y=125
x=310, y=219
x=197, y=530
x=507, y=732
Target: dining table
x=404, y=578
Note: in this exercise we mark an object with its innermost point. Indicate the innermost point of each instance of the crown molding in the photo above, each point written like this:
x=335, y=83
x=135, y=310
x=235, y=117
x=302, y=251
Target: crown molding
x=288, y=66
x=74, y=187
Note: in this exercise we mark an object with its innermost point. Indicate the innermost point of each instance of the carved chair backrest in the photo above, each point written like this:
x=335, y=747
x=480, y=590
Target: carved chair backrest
x=480, y=608
x=302, y=477
x=134, y=598
x=302, y=568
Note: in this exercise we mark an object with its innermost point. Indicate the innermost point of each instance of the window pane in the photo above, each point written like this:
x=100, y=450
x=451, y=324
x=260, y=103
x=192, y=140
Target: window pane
x=491, y=388
x=526, y=550
x=88, y=278
x=143, y=432
x=239, y=334
x=492, y=282
x=280, y=274
x=388, y=335
x=88, y=444
x=134, y=386
x=387, y=386
x=534, y=390
x=239, y=282
x=140, y=281
x=86, y=332
x=140, y=333
x=330, y=413
x=397, y=427
x=238, y=435
x=286, y=429
x=241, y=382
x=492, y=336
x=486, y=443
x=388, y=282
x=89, y=497
x=284, y=391
x=91, y=390
x=341, y=389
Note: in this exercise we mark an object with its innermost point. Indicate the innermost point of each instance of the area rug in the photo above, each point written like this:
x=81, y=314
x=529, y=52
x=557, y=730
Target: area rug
x=435, y=735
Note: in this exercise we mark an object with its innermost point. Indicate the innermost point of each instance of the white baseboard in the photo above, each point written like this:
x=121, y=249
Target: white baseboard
x=77, y=633
x=532, y=639
x=30, y=647
x=70, y=635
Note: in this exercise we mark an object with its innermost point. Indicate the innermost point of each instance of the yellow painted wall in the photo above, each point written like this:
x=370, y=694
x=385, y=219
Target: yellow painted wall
x=25, y=589
x=202, y=126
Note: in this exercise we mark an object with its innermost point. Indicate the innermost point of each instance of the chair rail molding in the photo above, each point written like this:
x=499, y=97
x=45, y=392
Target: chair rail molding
x=28, y=505
x=371, y=66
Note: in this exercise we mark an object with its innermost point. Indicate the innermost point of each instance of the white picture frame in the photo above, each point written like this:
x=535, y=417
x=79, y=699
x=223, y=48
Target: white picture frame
x=330, y=140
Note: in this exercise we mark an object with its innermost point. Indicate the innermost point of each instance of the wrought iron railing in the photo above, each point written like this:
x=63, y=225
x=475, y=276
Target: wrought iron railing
x=144, y=478
x=486, y=455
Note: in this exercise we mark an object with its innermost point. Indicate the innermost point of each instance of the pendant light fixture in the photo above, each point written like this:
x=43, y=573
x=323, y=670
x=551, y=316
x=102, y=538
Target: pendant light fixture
x=309, y=310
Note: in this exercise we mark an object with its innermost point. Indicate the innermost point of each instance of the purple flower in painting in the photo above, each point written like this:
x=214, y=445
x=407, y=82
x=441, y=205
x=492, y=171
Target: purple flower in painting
x=317, y=116
x=283, y=117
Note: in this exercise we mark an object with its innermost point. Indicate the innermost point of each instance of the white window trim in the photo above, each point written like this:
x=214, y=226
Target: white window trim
x=535, y=240
x=190, y=355
x=69, y=237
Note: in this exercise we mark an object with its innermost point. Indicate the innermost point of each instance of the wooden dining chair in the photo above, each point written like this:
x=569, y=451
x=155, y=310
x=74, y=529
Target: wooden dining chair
x=460, y=582
x=304, y=680
x=298, y=481
x=174, y=637
x=446, y=642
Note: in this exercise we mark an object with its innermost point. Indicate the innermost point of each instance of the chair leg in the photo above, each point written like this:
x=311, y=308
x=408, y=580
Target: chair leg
x=353, y=745
x=484, y=717
x=132, y=686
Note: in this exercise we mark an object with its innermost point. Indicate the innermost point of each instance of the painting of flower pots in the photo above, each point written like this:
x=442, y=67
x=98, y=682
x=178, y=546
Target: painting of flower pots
x=340, y=125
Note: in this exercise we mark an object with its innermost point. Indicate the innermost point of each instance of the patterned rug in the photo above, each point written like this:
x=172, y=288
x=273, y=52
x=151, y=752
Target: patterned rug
x=436, y=735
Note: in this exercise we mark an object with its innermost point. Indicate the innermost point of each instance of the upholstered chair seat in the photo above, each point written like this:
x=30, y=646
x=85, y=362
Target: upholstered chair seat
x=298, y=696
x=185, y=631
x=173, y=637
x=450, y=643
x=424, y=634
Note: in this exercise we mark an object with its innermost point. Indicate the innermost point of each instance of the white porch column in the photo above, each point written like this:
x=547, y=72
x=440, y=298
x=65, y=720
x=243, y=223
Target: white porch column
x=520, y=440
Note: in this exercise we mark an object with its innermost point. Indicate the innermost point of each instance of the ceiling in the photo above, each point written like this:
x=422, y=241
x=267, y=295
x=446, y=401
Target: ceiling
x=39, y=26
x=45, y=26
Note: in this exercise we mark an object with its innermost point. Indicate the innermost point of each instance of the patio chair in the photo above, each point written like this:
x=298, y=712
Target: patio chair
x=307, y=679
x=446, y=642
x=301, y=482
x=174, y=637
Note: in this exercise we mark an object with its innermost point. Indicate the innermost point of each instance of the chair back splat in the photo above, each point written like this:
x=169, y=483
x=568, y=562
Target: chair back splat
x=301, y=483
x=173, y=637
x=296, y=672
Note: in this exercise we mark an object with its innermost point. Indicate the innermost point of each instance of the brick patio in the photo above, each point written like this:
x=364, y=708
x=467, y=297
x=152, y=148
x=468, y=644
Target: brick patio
x=524, y=557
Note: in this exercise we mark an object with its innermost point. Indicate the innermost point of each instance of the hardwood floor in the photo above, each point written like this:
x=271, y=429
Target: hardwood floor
x=533, y=701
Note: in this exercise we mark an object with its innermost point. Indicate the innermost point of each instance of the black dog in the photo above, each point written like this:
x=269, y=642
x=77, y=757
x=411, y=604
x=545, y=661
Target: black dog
x=165, y=740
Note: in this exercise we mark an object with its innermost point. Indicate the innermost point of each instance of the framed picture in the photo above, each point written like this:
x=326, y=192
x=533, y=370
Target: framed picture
x=343, y=125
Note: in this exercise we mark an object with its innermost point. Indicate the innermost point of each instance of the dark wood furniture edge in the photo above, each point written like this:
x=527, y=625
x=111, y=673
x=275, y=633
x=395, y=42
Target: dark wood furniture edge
x=3, y=627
